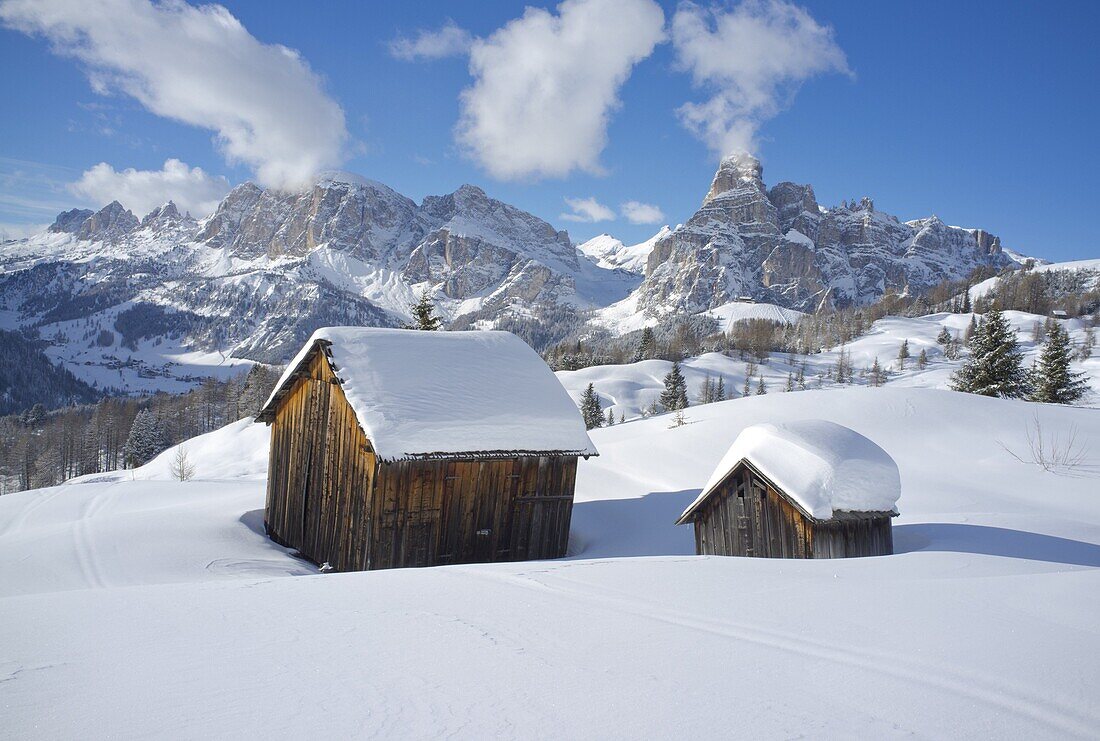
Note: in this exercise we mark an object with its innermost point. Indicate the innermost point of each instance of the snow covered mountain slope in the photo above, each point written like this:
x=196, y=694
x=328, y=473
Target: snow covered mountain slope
x=155, y=304
x=158, y=608
x=1087, y=270
x=631, y=389
x=780, y=246
x=611, y=253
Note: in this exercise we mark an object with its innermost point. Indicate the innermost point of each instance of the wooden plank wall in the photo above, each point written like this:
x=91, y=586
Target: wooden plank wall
x=329, y=497
x=856, y=537
x=320, y=471
x=746, y=516
x=456, y=511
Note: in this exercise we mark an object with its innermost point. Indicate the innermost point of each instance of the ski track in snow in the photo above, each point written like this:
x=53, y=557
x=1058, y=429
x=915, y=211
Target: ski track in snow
x=980, y=687
x=153, y=604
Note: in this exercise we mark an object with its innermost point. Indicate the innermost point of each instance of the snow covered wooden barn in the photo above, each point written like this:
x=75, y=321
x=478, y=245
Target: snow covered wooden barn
x=806, y=489
x=405, y=448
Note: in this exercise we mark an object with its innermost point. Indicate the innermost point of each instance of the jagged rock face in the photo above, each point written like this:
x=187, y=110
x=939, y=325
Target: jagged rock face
x=110, y=224
x=361, y=218
x=779, y=246
x=68, y=222
x=162, y=216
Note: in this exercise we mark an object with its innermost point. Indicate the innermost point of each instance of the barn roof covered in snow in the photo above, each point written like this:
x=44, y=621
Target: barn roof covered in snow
x=445, y=394
x=823, y=467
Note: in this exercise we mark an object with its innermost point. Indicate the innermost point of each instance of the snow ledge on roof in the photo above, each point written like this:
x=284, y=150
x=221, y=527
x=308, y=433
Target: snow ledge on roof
x=824, y=467
x=448, y=394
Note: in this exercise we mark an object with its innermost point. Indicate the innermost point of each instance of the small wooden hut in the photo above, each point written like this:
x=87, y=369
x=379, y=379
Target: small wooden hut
x=807, y=489
x=398, y=448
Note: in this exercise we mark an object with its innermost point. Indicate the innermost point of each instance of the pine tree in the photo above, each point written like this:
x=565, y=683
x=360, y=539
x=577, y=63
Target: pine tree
x=706, y=391
x=647, y=347
x=591, y=409
x=903, y=354
x=610, y=417
x=790, y=382
x=970, y=330
x=966, y=300
x=944, y=337
x=801, y=377
x=675, y=394
x=423, y=312
x=720, y=390
x=146, y=439
x=1054, y=382
x=995, y=366
x=1087, y=345
x=877, y=375
x=922, y=359
x=760, y=388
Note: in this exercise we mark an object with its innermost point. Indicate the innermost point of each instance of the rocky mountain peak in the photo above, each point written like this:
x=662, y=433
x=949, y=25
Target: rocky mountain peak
x=110, y=223
x=738, y=170
x=162, y=216
x=68, y=222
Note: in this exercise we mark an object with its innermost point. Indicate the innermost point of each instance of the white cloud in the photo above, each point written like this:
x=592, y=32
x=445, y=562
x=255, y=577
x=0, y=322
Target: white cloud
x=143, y=190
x=200, y=66
x=448, y=41
x=751, y=58
x=19, y=231
x=637, y=212
x=545, y=86
x=587, y=210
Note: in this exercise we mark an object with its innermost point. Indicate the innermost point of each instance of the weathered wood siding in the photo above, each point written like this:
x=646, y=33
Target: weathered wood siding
x=320, y=472
x=331, y=499
x=747, y=516
x=458, y=511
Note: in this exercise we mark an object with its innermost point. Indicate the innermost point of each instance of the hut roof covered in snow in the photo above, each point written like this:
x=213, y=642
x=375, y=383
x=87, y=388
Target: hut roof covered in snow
x=439, y=394
x=821, y=466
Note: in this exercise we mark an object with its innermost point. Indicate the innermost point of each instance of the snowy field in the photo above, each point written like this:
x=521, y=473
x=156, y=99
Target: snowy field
x=133, y=605
x=631, y=389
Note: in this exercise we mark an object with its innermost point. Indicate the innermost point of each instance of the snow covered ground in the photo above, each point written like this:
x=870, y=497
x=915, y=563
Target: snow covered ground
x=133, y=605
x=1089, y=267
x=631, y=389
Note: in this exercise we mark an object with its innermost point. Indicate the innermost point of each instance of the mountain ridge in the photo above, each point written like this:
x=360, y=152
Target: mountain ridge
x=184, y=297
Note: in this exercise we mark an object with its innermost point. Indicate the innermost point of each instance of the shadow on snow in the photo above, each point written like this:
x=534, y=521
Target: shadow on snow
x=993, y=541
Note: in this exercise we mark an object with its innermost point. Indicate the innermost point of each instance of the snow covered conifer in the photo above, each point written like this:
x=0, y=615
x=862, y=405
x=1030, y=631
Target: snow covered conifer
x=647, y=347
x=610, y=416
x=922, y=359
x=761, y=389
x=720, y=390
x=995, y=366
x=790, y=382
x=675, y=394
x=591, y=409
x=423, y=312
x=145, y=440
x=970, y=330
x=944, y=337
x=903, y=354
x=877, y=376
x=1054, y=382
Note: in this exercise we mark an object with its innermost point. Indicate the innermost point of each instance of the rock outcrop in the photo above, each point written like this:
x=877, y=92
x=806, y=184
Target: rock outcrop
x=780, y=246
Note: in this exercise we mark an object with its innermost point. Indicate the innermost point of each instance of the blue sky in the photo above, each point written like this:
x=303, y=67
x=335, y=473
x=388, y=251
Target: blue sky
x=984, y=114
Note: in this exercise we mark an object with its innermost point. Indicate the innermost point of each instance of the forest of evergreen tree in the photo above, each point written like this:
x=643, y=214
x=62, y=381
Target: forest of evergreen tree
x=41, y=447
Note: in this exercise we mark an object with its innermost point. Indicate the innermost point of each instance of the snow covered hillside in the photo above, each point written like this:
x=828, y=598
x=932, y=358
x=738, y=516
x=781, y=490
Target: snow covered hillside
x=157, y=608
x=631, y=389
x=1088, y=269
